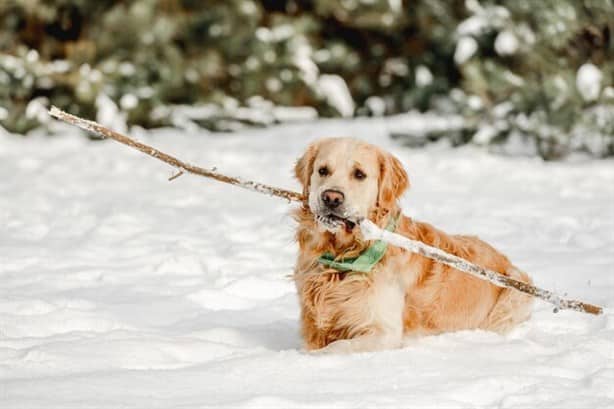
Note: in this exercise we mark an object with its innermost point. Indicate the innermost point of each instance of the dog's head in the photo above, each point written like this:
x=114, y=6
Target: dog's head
x=346, y=180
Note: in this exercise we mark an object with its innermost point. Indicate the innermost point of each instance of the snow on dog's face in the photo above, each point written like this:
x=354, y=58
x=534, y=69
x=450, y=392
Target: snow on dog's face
x=345, y=180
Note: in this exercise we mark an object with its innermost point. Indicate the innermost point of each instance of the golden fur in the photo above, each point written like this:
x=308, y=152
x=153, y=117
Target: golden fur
x=405, y=294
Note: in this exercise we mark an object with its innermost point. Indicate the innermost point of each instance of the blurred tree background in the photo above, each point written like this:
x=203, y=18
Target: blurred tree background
x=537, y=74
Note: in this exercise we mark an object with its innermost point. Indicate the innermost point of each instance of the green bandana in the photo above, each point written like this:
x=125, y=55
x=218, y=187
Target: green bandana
x=365, y=262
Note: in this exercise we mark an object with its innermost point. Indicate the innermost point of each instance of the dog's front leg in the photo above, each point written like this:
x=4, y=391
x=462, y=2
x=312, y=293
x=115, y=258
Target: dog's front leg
x=383, y=315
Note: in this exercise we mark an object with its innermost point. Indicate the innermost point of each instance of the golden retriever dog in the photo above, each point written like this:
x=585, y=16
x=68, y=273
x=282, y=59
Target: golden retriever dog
x=405, y=294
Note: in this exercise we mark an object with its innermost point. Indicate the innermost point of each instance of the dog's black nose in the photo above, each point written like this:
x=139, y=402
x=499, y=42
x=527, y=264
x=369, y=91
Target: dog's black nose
x=332, y=198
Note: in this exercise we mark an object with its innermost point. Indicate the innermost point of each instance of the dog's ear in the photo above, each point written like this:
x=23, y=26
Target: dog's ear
x=393, y=180
x=304, y=166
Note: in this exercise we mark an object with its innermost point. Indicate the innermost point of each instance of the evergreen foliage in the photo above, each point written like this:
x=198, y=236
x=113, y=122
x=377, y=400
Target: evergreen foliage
x=543, y=72
x=536, y=71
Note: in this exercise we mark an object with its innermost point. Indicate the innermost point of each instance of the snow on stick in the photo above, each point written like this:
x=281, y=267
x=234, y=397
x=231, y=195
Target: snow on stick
x=99, y=130
x=372, y=232
x=369, y=230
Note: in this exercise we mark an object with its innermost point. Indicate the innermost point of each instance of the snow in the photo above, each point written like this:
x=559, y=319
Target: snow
x=121, y=289
x=465, y=49
x=482, y=19
x=109, y=115
x=588, y=81
x=302, y=59
x=396, y=6
x=416, y=124
x=37, y=109
x=377, y=105
x=337, y=94
x=424, y=77
x=506, y=43
x=128, y=101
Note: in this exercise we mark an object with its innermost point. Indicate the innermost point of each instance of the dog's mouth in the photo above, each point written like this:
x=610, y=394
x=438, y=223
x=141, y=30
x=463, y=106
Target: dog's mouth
x=333, y=222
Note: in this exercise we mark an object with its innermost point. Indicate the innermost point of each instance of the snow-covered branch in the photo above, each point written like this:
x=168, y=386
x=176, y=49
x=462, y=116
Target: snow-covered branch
x=372, y=232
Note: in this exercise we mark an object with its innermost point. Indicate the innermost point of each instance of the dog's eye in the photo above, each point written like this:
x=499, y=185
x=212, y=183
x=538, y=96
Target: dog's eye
x=359, y=174
x=323, y=171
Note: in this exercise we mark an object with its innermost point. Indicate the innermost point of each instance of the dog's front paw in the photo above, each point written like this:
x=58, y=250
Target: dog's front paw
x=342, y=346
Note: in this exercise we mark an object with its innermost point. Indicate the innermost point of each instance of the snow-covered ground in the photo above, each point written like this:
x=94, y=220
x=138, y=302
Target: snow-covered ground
x=119, y=289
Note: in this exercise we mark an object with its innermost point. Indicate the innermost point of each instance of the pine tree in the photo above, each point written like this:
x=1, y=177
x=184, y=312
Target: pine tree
x=543, y=72
x=539, y=72
x=148, y=54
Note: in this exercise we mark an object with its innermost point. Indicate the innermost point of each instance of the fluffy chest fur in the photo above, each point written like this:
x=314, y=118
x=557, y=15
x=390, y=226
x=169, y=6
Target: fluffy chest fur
x=339, y=306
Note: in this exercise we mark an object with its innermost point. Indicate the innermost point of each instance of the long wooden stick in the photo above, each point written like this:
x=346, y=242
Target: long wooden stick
x=370, y=230
x=99, y=130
